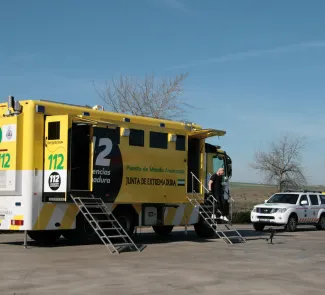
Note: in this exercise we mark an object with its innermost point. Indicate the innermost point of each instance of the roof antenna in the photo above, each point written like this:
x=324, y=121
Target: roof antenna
x=11, y=102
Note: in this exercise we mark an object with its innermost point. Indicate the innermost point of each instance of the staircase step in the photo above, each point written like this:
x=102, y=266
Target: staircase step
x=95, y=213
x=87, y=198
x=102, y=221
x=93, y=206
x=123, y=244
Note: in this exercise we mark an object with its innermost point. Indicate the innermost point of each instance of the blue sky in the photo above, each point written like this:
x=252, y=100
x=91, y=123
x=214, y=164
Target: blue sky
x=256, y=68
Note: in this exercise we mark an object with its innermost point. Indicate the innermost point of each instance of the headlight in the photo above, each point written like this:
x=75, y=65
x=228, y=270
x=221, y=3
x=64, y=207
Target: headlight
x=279, y=210
x=282, y=210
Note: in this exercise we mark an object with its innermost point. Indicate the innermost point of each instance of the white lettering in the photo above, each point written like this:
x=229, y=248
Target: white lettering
x=101, y=161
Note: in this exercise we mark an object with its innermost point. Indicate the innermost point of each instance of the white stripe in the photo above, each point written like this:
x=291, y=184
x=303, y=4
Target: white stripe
x=57, y=216
x=194, y=216
x=179, y=215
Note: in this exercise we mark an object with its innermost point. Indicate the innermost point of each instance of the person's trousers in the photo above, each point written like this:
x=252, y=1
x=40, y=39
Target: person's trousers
x=223, y=205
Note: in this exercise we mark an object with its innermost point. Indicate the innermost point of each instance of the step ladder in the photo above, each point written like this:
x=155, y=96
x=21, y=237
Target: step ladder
x=207, y=210
x=103, y=221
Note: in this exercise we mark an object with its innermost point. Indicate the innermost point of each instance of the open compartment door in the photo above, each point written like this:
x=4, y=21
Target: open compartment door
x=205, y=133
x=107, y=163
x=55, y=158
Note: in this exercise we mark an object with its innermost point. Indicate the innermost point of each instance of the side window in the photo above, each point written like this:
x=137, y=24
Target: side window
x=303, y=198
x=313, y=199
x=322, y=199
x=180, y=143
x=136, y=137
x=53, y=130
x=158, y=140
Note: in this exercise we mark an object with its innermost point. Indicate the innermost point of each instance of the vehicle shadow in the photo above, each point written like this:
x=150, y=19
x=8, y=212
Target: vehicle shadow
x=150, y=238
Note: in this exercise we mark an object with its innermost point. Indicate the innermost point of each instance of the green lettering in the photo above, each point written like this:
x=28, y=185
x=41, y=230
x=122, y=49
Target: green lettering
x=54, y=161
x=5, y=160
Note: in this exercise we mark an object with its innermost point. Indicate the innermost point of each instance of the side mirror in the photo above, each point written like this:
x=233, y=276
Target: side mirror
x=265, y=201
x=304, y=202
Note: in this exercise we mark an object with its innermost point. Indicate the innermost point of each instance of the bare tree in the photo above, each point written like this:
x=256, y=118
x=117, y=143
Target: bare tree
x=281, y=165
x=145, y=97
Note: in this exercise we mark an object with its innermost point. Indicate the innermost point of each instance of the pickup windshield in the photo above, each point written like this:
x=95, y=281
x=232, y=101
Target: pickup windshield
x=284, y=198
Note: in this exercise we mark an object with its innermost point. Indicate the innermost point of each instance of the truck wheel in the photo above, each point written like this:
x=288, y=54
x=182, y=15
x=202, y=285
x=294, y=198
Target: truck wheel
x=45, y=237
x=258, y=226
x=203, y=230
x=292, y=224
x=126, y=219
x=163, y=230
x=83, y=233
x=321, y=223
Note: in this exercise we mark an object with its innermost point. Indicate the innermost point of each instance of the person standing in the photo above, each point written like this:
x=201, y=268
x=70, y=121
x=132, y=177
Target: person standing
x=215, y=186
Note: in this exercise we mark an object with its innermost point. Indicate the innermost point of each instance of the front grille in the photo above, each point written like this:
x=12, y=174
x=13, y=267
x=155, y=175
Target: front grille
x=265, y=217
x=264, y=210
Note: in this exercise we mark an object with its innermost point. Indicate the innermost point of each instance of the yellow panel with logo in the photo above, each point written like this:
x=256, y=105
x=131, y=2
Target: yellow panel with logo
x=55, y=158
x=8, y=155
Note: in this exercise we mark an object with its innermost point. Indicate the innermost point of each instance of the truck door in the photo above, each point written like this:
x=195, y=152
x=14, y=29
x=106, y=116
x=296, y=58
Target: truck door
x=55, y=158
x=107, y=166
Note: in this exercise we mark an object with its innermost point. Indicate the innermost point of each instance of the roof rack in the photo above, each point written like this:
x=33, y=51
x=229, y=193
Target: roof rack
x=302, y=191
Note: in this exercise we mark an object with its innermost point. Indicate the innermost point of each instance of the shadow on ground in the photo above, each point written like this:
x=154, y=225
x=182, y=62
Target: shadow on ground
x=150, y=238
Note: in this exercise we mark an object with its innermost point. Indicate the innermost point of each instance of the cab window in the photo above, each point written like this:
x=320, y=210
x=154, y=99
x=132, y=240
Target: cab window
x=313, y=199
x=322, y=199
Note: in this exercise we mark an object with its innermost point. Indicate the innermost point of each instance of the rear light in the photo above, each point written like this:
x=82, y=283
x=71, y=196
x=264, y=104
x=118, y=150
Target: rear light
x=17, y=222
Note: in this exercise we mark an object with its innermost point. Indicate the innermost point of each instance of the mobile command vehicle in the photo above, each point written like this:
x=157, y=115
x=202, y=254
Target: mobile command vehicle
x=290, y=209
x=143, y=169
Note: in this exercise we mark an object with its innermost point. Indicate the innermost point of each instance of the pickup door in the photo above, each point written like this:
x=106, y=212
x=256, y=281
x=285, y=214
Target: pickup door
x=314, y=208
x=303, y=209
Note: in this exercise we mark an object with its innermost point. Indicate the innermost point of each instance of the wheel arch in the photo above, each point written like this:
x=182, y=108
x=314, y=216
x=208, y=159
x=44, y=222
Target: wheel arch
x=128, y=208
x=294, y=214
x=321, y=213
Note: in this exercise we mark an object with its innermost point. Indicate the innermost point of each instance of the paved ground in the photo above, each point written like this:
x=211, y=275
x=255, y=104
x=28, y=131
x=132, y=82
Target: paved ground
x=295, y=264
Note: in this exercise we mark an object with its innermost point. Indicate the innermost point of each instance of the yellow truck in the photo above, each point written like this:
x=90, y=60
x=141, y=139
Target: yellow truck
x=143, y=169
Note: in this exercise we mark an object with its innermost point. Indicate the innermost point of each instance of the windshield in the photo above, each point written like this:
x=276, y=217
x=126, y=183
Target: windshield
x=218, y=162
x=284, y=198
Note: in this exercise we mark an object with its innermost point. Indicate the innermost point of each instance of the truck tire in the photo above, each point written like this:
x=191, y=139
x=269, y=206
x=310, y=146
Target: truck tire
x=163, y=230
x=82, y=234
x=126, y=217
x=203, y=230
x=45, y=237
x=291, y=225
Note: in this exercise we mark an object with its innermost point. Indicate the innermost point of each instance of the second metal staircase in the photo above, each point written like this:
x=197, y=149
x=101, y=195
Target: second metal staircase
x=207, y=210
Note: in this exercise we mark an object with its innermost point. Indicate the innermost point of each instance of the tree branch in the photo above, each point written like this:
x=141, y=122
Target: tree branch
x=281, y=165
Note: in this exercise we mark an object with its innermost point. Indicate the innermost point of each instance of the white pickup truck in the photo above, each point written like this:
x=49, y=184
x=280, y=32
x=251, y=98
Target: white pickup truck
x=290, y=209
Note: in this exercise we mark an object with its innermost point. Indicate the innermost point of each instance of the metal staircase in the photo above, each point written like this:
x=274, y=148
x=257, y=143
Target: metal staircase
x=105, y=224
x=207, y=210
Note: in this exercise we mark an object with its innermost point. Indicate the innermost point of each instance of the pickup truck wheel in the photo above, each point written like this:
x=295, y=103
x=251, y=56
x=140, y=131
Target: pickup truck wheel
x=321, y=223
x=292, y=224
x=258, y=226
